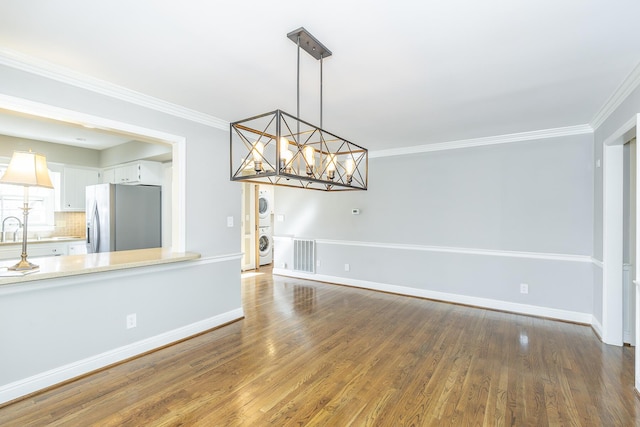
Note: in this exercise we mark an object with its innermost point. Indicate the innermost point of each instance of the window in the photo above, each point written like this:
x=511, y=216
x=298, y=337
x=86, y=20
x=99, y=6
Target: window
x=41, y=202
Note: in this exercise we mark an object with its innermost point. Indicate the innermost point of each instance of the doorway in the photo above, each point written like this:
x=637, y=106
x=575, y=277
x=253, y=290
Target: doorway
x=257, y=226
x=249, y=226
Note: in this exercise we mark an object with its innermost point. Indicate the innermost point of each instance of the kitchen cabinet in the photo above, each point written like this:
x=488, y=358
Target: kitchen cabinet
x=139, y=172
x=109, y=176
x=47, y=249
x=34, y=250
x=127, y=174
x=74, y=181
x=77, y=249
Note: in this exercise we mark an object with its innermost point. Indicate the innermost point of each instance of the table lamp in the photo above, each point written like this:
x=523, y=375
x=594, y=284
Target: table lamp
x=27, y=169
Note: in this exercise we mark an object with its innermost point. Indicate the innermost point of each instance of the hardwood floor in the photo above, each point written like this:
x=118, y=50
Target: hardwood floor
x=310, y=353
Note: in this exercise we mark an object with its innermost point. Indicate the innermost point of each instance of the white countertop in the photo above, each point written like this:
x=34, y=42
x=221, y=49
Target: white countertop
x=71, y=265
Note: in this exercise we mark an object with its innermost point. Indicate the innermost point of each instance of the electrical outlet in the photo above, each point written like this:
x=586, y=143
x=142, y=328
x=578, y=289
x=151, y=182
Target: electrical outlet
x=524, y=288
x=347, y=267
x=318, y=263
x=132, y=321
x=229, y=221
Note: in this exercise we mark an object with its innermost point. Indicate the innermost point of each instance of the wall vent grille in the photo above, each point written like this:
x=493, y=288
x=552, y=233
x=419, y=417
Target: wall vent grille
x=304, y=255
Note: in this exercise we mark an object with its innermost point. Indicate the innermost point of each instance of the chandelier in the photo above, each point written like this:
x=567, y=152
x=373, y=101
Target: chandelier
x=279, y=149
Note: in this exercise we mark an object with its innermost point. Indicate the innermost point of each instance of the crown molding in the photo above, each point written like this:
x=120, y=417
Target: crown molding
x=490, y=140
x=628, y=85
x=64, y=75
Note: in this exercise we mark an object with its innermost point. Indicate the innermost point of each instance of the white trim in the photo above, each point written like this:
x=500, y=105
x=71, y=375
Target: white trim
x=48, y=111
x=49, y=378
x=490, y=140
x=219, y=258
x=445, y=249
x=628, y=85
x=597, y=263
x=179, y=196
x=616, y=138
x=612, y=198
x=55, y=72
x=553, y=313
x=597, y=327
x=612, y=244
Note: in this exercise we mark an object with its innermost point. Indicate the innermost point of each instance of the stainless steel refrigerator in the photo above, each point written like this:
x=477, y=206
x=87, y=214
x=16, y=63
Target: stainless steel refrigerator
x=122, y=217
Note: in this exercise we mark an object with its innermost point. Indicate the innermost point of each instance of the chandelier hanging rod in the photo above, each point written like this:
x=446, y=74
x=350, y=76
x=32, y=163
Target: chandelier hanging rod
x=313, y=47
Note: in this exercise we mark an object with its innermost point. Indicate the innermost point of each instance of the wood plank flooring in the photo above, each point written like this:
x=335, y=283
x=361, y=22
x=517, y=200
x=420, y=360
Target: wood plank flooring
x=317, y=354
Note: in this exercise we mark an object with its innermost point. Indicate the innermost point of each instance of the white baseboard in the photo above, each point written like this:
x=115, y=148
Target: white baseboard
x=49, y=378
x=597, y=327
x=533, y=310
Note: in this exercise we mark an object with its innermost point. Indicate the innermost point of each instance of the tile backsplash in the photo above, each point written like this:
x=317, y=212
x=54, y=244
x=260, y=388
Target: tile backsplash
x=69, y=224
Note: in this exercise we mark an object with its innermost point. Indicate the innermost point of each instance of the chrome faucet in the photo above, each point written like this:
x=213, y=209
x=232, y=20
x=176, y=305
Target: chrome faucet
x=15, y=232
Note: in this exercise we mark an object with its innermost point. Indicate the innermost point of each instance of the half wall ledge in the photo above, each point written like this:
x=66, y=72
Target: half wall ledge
x=73, y=265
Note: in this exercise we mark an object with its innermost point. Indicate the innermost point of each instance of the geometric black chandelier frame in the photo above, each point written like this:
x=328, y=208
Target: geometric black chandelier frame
x=280, y=149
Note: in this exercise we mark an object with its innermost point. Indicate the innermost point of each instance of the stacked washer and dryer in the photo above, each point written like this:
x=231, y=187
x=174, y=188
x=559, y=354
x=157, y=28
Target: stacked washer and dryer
x=265, y=226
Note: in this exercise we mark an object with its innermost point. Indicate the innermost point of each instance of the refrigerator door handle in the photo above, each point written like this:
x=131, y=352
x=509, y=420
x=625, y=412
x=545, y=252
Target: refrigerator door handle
x=95, y=222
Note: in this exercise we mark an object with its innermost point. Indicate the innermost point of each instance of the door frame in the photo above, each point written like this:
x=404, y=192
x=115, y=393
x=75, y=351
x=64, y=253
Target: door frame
x=612, y=237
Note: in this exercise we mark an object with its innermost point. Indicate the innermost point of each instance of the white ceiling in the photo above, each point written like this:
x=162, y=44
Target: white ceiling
x=41, y=129
x=402, y=73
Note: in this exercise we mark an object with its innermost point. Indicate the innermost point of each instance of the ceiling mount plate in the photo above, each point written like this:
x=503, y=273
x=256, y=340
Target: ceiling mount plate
x=310, y=44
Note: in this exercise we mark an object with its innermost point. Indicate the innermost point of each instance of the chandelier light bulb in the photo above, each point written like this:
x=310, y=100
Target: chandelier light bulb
x=349, y=166
x=331, y=166
x=285, y=160
x=283, y=146
x=285, y=155
x=310, y=158
x=258, y=149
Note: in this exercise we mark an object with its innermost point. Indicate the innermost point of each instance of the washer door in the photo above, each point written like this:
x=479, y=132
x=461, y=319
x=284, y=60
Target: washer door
x=264, y=244
x=264, y=206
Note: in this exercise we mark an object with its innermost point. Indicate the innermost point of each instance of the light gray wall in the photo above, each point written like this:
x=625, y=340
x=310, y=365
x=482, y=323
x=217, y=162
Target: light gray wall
x=45, y=327
x=76, y=318
x=55, y=153
x=130, y=151
x=533, y=196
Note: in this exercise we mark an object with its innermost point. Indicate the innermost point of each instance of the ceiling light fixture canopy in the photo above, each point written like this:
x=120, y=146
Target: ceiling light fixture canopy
x=279, y=149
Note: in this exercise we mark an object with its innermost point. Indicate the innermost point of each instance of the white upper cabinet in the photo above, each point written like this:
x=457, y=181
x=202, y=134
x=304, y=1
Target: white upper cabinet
x=139, y=172
x=109, y=176
x=74, y=181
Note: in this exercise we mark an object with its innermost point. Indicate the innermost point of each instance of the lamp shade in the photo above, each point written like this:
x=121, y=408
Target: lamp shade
x=27, y=169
